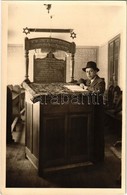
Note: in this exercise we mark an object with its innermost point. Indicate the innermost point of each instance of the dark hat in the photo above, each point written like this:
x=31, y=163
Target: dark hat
x=92, y=65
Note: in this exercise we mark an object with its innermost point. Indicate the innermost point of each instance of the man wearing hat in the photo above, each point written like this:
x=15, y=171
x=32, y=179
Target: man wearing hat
x=94, y=83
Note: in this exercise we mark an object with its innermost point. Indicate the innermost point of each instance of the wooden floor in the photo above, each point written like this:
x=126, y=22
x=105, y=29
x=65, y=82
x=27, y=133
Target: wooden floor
x=21, y=173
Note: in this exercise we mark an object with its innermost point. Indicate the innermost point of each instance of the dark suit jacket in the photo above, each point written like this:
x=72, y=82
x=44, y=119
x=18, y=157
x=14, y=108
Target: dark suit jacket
x=98, y=85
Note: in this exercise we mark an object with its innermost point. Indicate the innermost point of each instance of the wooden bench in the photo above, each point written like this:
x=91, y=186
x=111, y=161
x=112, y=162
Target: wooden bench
x=15, y=107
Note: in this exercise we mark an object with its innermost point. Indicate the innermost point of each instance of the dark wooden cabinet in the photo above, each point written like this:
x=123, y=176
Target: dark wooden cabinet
x=59, y=136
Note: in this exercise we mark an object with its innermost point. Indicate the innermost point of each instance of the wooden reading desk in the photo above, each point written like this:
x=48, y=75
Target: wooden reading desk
x=63, y=127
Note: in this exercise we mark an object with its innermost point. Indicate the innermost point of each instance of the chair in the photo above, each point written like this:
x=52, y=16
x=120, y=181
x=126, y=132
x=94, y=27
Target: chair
x=114, y=111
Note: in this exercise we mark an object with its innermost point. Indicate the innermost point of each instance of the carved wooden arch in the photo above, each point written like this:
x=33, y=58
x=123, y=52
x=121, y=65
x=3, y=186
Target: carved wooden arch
x=51, y=44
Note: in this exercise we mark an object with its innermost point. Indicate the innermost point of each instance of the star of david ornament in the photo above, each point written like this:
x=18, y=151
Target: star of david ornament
x=73, y=35
x=26, y=30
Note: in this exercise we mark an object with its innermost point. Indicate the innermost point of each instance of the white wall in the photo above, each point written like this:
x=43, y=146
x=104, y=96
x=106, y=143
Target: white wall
x=94, y=25
x=103, y=62
x=118, y=26
x=92, y=22
x=15, y=64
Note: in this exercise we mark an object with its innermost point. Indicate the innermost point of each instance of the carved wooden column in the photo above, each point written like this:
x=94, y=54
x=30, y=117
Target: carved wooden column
x=72, y=58
x=73, y=48
x=27, y=64
x=27, y=59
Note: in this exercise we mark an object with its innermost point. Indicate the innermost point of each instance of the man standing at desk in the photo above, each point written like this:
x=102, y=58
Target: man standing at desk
x=94, y=83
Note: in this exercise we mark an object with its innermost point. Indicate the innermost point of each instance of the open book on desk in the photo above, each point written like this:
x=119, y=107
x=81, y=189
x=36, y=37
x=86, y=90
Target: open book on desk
x=75, y=88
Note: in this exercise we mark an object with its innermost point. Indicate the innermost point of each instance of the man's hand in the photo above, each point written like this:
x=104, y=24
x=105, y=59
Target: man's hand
x=83, y=86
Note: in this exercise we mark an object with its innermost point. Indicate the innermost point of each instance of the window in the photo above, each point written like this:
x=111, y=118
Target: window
x=113, y=60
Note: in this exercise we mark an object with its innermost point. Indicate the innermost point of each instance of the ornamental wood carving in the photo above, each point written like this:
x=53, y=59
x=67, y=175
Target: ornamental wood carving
x=50, y=45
